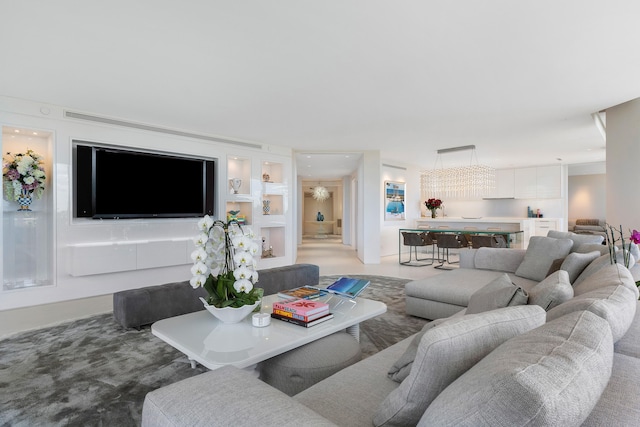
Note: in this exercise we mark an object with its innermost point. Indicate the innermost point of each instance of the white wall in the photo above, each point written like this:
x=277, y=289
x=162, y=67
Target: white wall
x=389, y=229
x=369, y=209
x=72, y=231
x=587, y=196
x=623, y=158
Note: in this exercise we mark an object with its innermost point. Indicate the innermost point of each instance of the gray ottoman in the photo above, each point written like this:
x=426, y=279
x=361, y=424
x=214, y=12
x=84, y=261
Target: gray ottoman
x=298, y=369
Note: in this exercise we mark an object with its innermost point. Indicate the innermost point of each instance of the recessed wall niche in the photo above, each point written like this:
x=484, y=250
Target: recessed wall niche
x=27, y=235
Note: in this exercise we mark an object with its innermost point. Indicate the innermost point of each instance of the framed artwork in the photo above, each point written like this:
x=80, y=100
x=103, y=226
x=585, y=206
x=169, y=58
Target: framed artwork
x=394, y=200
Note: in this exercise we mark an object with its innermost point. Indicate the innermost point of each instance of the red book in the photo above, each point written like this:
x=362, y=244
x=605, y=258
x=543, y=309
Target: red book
x=303, y=307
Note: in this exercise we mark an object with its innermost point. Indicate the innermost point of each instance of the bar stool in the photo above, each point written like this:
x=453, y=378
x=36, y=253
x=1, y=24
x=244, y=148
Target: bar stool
x=413, y=240
x=466, y=237
x=488, y=241
x=447, y=241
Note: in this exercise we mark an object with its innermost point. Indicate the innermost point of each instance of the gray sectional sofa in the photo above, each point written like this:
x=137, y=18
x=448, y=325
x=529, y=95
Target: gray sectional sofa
x=560, y=353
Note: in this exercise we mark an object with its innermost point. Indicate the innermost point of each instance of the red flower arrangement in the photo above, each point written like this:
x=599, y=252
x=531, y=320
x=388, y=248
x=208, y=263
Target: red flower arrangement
x=432, y=204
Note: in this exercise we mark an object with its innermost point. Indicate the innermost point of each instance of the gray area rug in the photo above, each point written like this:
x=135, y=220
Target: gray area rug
x=91, y=372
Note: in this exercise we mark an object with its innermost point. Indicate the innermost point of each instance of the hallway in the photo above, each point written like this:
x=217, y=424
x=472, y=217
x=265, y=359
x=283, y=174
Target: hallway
x=334, y=258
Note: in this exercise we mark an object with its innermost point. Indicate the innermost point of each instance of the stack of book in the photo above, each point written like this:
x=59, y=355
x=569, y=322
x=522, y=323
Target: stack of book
x=302, y=312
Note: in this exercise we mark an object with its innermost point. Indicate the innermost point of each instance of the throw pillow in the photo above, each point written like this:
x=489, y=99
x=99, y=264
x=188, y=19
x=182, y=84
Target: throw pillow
x=578, y=239
x=581, y=239
x=590, y=247
x=551, y=376
x=555, y=266
x=597, y=264
x=446, y=352
x=540, y=254
x=401, y=368
x=498, y=293
x=558, y=234
x=576, y=262
x=552, y=291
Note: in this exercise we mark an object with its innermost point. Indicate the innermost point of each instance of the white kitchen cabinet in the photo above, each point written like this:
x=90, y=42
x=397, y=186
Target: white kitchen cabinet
x=542, y=182
x=549, y=180
x=544, y=225
x=505, y=184
x=525, y=183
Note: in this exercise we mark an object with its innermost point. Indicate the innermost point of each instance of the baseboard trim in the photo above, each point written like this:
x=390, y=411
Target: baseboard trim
x=28, y=318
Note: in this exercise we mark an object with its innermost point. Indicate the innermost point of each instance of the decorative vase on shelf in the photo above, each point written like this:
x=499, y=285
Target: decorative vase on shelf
x=266, y=206
x=235, y=184
x=24, y=200
x=319, y=217
x=433, y=213
x=230, y=314
x=265, y=177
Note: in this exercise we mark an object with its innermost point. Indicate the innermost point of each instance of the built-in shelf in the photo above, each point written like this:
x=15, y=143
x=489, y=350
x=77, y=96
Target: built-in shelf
x=28, y=255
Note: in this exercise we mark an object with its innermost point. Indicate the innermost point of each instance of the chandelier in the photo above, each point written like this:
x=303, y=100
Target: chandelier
x=320, y=193
x=474, y=180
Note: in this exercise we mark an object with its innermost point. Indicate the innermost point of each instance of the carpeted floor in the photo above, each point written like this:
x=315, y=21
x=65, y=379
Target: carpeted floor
x=91, y=372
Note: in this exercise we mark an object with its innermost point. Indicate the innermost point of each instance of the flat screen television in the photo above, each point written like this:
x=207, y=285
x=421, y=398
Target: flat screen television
x=114, y=183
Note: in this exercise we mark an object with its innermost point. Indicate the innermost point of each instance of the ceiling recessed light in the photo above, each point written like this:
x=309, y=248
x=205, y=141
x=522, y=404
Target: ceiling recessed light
x=16, y=131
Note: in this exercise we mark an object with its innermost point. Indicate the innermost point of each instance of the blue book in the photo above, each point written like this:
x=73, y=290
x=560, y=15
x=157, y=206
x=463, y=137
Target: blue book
x=348, y=287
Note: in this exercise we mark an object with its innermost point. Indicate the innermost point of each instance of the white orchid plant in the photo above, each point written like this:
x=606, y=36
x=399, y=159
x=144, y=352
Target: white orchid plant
x=224, y=263
x=23, y=172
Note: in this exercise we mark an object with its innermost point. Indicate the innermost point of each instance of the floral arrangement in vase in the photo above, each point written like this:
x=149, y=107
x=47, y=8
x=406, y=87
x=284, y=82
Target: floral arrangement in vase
x=23, y=175
x=613, y=236
x=225, y=263
x=433, y=205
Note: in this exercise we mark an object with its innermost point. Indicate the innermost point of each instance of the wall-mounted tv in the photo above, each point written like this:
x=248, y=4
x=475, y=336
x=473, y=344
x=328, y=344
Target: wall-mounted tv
x=114, y=183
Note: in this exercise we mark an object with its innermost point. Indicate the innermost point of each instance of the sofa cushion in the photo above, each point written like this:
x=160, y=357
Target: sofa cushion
x=500, y=259
x=606, y=275
x=620, y=402
x=215, y=399
x=578, y=239
x=552, y=291
x=553, y=375
x=540, y=255
x=590, y=222
x=447, y=351
x=629, y=344
x=576, y=262
x=351, y=396
x=498, y=293
x=615, y=304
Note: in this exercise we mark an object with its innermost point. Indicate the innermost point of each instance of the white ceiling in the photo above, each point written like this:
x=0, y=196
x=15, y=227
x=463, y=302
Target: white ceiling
x=519, y=79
